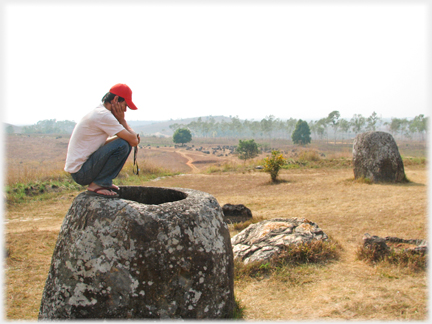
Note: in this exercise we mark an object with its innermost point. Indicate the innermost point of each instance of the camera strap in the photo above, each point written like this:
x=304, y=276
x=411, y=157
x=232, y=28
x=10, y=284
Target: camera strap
x=135, y=163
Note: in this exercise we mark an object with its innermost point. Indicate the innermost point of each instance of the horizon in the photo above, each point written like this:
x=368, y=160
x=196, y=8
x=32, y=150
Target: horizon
x=215, y=116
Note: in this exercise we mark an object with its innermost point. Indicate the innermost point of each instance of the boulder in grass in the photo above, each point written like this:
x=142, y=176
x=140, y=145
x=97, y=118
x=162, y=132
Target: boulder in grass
x=236, y=213
x=260, y=241
x=383, y=245
x=376, y=157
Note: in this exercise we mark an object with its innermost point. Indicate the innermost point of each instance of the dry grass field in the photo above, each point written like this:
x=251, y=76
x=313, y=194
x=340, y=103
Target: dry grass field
x=345, y=289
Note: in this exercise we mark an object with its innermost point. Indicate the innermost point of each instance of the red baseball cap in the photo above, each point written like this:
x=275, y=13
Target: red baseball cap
x=122, y=90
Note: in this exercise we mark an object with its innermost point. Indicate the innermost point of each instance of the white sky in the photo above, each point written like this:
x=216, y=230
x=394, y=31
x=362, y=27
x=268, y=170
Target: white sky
x=191, y=59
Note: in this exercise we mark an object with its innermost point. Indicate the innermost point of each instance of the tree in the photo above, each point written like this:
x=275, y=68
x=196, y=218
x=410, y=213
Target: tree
x=175, y=126
x=301, y=134
x=333, y=120
x=10, y=129
x=395, y=126
x=247, y=149
x=290, y=125
x=419, y=124
x=372, y=121
x=182, y=135
x=344, y=126
x=273, y=163
x=50, y=126
x=321, y=128
x=357, y=123
x=267, y=125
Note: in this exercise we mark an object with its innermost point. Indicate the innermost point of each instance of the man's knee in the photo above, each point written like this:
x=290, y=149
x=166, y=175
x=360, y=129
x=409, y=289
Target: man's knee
x=124, y=146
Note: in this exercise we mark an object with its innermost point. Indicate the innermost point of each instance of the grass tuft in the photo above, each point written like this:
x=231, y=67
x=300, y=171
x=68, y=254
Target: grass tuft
x=363, y=180
x=414, y=262
x=242, y=225
x=239, y=309
x=292, y=257
x=309, y=156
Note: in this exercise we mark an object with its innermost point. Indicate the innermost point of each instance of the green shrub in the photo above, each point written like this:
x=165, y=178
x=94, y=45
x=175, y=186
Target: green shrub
x=273, y=164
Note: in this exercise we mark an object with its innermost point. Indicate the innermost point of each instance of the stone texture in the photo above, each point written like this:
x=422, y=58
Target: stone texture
x=236, y=213
x=376, y=157
x=260, y=241
x=376, y=243
x=153, y=253
x=383, y=244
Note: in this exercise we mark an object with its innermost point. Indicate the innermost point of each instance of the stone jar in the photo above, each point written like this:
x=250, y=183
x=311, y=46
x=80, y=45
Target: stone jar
x=152, y=253
x=376, y=157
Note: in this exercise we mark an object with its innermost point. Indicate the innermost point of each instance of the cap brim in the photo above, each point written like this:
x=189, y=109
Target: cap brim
x=131, y=105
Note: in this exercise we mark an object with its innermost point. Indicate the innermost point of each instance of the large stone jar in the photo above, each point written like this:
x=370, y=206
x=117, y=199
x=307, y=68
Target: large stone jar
x=376, y=157
x=152, y=253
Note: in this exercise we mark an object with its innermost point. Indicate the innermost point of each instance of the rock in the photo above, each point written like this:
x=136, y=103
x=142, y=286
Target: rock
x=381, y=245
x=260, y=241
x=376, y=243
x=415, y=246
x=376, y=157
x=236, y=213
x=153, y=253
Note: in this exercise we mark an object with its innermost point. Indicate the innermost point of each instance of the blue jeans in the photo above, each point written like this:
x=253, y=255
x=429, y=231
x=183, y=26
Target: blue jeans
x=104, y=164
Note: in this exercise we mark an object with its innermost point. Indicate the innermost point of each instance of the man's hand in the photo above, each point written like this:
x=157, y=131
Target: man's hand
x=117, y=110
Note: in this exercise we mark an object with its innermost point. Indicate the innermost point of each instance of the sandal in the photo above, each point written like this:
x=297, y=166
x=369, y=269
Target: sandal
x=95, y=192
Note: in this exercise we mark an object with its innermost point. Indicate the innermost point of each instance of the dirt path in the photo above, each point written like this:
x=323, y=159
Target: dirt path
x=193, y=157
x=190, y=161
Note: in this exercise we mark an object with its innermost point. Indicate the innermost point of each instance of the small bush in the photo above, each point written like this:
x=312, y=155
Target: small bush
x=273, y=164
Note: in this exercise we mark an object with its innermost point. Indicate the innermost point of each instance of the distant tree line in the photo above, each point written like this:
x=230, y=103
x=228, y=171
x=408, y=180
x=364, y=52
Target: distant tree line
x=50, y=126
x=329, y=128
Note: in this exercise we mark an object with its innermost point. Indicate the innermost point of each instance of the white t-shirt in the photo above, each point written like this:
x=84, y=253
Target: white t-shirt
x=89, y=135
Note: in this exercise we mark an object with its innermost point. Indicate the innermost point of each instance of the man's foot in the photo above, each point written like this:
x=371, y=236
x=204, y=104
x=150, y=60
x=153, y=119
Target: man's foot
x=114, y=187
x=103, y=190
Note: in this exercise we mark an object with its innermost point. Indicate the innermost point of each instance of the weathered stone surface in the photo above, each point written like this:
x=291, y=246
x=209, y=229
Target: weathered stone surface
x=260, y=241
x=236, y=213
x=375, y=243
x=376, y=157
x=153, y=253
x=381, y=245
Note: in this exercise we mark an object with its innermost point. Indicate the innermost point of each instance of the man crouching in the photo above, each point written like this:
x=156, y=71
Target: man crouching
x=93, y=158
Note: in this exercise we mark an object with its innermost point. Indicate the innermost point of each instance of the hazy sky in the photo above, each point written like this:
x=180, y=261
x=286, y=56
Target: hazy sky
x=197, y=58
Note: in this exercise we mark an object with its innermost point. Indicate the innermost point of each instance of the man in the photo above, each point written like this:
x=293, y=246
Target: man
x=94, y=156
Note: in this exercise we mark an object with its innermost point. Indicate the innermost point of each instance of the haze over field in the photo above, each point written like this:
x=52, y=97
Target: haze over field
x=186, y=59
